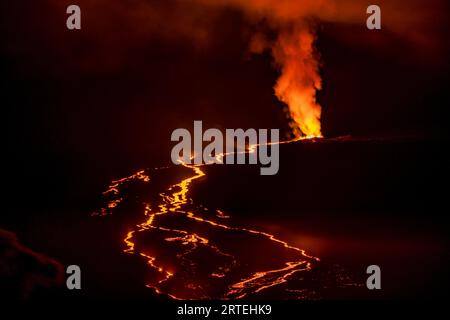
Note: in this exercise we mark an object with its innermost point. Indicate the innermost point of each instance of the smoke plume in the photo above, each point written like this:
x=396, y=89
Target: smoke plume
x=113, y=33
x=294, y=53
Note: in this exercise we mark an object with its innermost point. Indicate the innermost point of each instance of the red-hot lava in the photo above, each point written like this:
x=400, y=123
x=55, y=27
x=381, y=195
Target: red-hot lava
x=197, y=253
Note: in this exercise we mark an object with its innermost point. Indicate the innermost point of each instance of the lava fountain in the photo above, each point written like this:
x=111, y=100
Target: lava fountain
x=295, y=55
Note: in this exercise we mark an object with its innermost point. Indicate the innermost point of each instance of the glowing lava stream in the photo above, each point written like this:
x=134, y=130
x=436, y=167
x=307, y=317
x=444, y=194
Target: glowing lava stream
x=173, y=201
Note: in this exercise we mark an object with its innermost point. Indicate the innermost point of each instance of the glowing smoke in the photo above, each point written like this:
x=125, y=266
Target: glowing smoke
x=293, y=50
x=294, y=54
x=299, y=80
x=423, y=24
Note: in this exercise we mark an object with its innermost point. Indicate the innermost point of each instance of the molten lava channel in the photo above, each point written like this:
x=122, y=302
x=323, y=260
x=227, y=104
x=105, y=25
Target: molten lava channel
x=197, y=253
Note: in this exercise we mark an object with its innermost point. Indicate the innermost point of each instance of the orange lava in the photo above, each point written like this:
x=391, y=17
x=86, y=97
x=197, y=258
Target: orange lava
x=175, y=201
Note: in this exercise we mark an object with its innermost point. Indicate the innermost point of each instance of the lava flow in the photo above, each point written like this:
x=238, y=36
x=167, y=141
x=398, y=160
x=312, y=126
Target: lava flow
x=197, y=253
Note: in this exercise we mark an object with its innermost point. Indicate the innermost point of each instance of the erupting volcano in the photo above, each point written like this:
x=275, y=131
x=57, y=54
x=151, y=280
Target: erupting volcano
x=224, y=149
x=199, y=254
x=196, y=252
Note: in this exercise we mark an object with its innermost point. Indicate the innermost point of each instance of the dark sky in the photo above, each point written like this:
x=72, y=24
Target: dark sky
x=104, y=100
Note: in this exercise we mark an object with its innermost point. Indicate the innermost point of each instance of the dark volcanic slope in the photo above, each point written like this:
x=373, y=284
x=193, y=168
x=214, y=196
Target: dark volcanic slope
x=351, y=202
